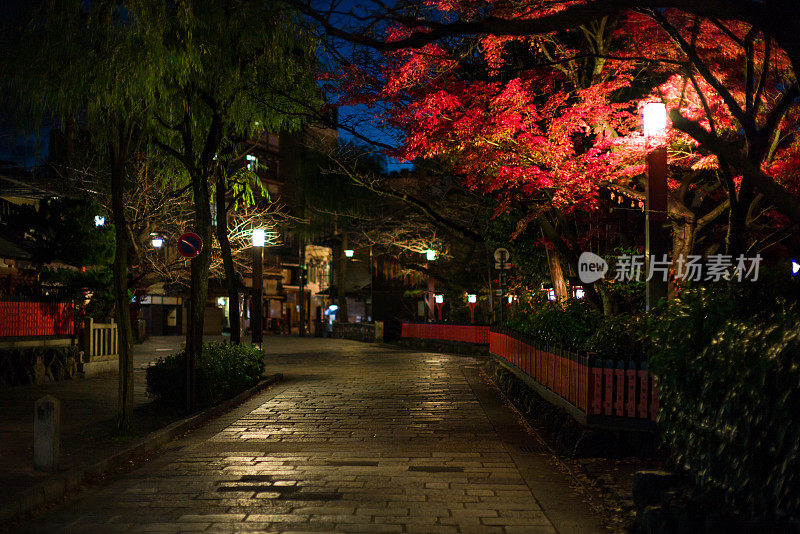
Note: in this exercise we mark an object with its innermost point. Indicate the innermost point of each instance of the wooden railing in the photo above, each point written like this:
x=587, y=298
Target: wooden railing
x=600, y=392
x=447, y=332
x=21, y=319
x=596, y=387
x=99, y=341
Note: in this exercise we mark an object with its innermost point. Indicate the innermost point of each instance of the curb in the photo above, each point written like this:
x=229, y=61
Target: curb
x=59, y=485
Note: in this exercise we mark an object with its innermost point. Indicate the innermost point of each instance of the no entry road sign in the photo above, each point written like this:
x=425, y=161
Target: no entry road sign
x=189, y=245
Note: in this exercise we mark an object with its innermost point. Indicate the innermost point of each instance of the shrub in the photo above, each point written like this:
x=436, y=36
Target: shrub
x=731, y=412
x=569, y=324
x=222, y=372
x=625, y=337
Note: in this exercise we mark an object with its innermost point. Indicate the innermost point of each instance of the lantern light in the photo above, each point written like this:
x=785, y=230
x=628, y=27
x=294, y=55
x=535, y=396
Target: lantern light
x=99, y=220
x=472, y=299
x=795, y=267
x=654, y=118
x=157, y=241
x=259, y=237
x=430, y=254
x=439, y=299
x=349, y=253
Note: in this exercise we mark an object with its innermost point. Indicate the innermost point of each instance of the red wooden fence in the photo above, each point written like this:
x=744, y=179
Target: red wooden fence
x=597, y=388
x=19, y=319
x=447, y=332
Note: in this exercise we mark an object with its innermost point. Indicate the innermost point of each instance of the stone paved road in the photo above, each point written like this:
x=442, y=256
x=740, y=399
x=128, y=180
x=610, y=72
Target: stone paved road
x=358, y=438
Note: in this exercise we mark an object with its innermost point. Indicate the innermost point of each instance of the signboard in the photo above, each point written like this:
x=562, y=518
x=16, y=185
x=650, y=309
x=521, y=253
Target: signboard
x=189, y=245
x=501, y=255
x=502, y=266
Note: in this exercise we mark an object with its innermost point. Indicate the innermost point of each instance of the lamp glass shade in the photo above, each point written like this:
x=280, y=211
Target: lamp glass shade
x=439, y=299
x=654, y=118
x=430, y=255
x=259, y=237
x=158, y=242
x=349, y=253
x=472, y=299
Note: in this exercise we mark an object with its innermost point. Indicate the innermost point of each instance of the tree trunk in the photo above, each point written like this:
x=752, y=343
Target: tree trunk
x=557, y=275
x=121, y=298
x=199, y=280
x=683, y=236
x=735, y=239
x=231, y=280
x=341, y=279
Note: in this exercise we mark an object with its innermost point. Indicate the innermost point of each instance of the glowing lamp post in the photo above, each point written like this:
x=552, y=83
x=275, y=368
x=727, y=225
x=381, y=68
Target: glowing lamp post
x=157, y=241
x=256, y=311
x=349, y=253
x=511, y=300
x=439, y=305
x=472, y=300
x=654, y=123
x=430, y=255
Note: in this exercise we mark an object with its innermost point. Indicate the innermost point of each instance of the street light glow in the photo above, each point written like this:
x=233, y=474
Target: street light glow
x=349, y=253
x=99, y=220
x=654, y=118
x=795, y=267
x=472, y=299
x=259, y=237
x=439, y=299
x=430, y=254
x=158, y=242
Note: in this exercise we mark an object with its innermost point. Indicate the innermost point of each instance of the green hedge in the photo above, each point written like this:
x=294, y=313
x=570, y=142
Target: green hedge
x=622, y=337
x=730, y=397
x=222, y=372
x=569, y=324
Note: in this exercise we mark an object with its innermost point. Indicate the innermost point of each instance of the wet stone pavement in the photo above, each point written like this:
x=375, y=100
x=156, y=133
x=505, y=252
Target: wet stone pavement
x=357, y=438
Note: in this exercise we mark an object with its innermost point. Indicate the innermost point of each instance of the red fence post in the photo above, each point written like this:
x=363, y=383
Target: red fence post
x=595, y=384
x=619, y=386
x=608, y=388
x=654, y=398
x=630, y=376
x=644, y=391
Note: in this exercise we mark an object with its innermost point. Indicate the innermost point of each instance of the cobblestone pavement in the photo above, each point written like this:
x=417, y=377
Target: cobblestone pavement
x=357, y=438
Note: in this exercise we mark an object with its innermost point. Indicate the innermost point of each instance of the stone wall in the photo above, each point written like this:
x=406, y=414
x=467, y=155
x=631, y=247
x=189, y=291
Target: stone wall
x=21, y=366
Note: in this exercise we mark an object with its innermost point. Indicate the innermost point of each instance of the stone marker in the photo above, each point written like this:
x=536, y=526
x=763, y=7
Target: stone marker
x=46, y=433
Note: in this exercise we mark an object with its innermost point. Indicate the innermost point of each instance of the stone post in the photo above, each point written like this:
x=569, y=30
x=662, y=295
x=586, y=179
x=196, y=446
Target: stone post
x=46, y=433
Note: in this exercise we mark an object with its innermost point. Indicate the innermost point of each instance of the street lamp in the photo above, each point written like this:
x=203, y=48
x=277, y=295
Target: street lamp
x=795, y=267
x=654, y=123
x=259, y=239
x=430, y=255
x=99, y=220
x=157, y=241
x=349, y=252
x=439, y=304
x=472, y=300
